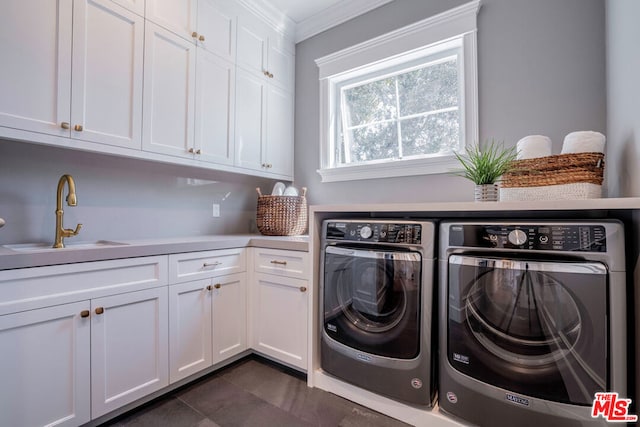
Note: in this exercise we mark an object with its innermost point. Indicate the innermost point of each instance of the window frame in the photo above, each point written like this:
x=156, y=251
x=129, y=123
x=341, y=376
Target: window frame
x=453, y=29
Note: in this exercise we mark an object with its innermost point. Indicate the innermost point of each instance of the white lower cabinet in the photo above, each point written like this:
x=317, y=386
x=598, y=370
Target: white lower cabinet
x=129, y=348
x=208, y=316
x=45, y=366
x=280, y=306
x=80, y=340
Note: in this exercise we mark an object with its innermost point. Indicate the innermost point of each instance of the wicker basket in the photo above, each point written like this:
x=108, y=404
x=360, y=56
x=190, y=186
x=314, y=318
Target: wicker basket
x=563, y=176
x=282, y=215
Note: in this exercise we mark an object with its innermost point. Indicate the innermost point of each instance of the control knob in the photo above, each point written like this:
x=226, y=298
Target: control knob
x=365, y=232
x=517, y=237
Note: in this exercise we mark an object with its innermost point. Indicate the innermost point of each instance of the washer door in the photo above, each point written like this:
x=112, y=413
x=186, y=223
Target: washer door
x=371, y=300
x=534, y=327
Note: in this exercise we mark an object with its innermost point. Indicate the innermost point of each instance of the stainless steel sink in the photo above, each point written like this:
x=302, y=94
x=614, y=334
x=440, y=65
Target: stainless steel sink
x=46, y=247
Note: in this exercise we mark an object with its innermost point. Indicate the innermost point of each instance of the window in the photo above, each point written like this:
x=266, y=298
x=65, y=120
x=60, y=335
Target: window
x=401, y=104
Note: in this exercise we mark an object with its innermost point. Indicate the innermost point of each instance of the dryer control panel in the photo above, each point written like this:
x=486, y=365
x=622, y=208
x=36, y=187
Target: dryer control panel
x=547, y=237
x=375, y=232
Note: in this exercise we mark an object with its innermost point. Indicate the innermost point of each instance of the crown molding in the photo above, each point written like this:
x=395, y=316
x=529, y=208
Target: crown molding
x=274, y=17
x=335, y=15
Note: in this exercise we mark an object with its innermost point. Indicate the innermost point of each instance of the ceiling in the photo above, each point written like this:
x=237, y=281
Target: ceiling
x=310, y=17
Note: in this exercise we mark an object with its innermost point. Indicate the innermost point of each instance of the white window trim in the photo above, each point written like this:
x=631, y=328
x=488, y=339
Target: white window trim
x=460, y=21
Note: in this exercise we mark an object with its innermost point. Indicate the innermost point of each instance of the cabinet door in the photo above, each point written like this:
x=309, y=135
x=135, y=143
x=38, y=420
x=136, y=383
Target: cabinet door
x=45, y=367
x=281, y=61
x=35, y=77
x=279, y=139
x=189, y=328
x=280, y=319
x=229, y=316
x=215, y=96
x=169, y=93
x=252, y=44
x=129, y=348
x=217, y=27
x=178, y=17
x=250, y=106
x=107, y=74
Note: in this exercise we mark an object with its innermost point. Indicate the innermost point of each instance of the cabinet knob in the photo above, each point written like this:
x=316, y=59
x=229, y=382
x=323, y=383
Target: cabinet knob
x=191, y=150
x=85, y=313
x=209, y=287
x=266, y=73
x=201, y=38
x=269, y=165
x=217, y=286
x=198, y=151
x=99, y=310
x=65, y=125
x=303, y=289
x=78, y=128
x=270, y=75
x=275, y=261
x=194, y=35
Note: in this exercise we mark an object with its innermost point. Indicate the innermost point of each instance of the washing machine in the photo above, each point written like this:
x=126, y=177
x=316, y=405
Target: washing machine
x=376, y=296
x=532, y=321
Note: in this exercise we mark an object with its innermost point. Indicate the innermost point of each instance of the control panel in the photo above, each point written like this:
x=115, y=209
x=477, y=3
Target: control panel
x=374, y=232
x=548, y=237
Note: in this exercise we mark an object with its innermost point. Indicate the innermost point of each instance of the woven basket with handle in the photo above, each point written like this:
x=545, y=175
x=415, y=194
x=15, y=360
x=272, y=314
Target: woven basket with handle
x=282, y=215
x=554, y=170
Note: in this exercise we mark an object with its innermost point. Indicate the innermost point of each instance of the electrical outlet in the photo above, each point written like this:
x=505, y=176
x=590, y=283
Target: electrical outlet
x=216, y=210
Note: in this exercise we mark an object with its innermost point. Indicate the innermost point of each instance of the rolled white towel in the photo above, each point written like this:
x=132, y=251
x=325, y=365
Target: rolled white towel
x=583, y=142
x=533, y=146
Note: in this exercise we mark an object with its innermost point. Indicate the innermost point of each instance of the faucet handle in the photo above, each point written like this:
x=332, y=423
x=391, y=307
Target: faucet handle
x=67, y=232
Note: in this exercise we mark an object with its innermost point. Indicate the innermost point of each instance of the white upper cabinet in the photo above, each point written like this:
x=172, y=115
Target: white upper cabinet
x=264, y=98
x=35, y=78
x=217, y=21
x=169, y=91
x=107, y=74
x=101, y=66
x=215, y=104
x=177, y=16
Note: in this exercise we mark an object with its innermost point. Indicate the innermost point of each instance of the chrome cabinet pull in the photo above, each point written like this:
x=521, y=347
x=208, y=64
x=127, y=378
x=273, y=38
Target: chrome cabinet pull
x=279, y=262
x=211, y=264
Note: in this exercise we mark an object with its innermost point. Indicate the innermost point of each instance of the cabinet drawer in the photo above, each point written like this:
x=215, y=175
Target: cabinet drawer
x=282, y=263
x=30, y=288
x=200, y=265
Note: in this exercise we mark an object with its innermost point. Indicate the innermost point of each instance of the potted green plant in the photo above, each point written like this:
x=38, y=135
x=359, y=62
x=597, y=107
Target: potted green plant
x=485, y=167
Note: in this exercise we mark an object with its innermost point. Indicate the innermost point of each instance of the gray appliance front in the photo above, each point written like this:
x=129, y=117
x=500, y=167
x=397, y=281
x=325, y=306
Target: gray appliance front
x=376, y=317
x=526, y=332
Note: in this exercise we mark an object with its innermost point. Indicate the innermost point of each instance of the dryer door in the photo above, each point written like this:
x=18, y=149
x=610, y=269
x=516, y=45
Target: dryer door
x=371, y=300
x=538, y=328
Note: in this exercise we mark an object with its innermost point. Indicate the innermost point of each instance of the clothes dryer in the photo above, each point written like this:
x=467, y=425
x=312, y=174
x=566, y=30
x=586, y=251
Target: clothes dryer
x=532, y=321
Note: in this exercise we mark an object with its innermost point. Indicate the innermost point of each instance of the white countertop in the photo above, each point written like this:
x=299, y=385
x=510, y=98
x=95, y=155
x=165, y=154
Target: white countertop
x=10, y=259
x=629, y=203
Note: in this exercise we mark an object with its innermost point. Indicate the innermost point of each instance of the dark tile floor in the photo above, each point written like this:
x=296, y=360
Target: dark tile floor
x=253, y=392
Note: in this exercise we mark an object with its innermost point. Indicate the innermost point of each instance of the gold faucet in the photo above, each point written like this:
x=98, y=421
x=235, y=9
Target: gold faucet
x=62, y=232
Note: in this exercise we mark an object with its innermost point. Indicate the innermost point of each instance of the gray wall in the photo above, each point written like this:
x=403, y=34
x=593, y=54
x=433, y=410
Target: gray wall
x=541, y=70
x=118, y=198
x=623, y=98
